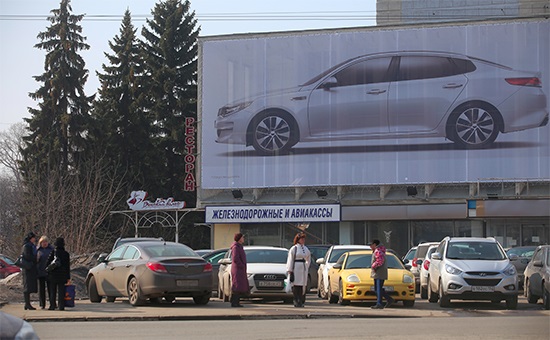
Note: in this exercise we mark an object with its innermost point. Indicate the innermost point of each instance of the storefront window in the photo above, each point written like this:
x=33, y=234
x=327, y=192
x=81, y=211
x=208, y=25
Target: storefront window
x=496, y=229
x=431, y=231
x=393, y=234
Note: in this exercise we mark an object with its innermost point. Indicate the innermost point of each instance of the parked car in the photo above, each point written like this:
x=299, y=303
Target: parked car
x=350, y=279
x=150, y=270
x=472, y=268
x=537, y=277
x=318, y=251
x=470, y=102
x=7, y=266
x=520, y=257
x=266, y=270
x=424, y=270
x=202, y=252
x=213, y=257
x=409, y=256
x=122, y=240
x=416, y=264
x=325, y=263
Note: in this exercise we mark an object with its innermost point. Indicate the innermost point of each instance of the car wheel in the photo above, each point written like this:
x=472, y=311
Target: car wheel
x=432, y=296
x=512, y=302
x=444, y=300
x=424, y=292
x=134, y=295
x=92, y=291
x=408, y=303
x=273, y=133
x=331, y=297
x=341, y=299
x=545, y=298
x=474, y=125
x=110, y=298
x=202, y=299
x=321, y=290
x=531, y=298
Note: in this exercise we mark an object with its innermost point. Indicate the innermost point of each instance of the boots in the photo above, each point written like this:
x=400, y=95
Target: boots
x=28, y=301
x=235, y=300
x=297, y=292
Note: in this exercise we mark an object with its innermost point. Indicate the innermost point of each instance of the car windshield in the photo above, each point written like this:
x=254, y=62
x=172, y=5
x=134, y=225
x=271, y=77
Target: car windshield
x=364, y=261
x=410, y=255
x=336, y=253
x=475, y=251
x=266, y=255
x=521, y=251
x=161, y=249
x=8, y=260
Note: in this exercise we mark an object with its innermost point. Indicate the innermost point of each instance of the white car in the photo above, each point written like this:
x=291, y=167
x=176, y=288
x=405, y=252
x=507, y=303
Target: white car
x=404, y=94
x=472, y=268
x=326, y=263
x=266, y=271
x=424, y=267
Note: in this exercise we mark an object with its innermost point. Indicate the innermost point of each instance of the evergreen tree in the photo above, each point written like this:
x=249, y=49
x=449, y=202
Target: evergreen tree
x=122, y=124
x=170, y=52
x=58, y=127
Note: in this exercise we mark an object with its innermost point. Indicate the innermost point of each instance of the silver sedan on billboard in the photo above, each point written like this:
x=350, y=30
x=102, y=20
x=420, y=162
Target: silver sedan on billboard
x=391, y=95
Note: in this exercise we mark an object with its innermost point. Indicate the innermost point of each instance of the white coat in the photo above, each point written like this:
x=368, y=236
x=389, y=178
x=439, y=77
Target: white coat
x=299, y=258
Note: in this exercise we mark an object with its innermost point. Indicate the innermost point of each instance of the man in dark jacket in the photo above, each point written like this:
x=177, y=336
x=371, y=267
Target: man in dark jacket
x=60, y=275
x=30, y=279
x=239, y=280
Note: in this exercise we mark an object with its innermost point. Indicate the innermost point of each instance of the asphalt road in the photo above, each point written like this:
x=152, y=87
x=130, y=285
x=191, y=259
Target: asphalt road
x=473, y=327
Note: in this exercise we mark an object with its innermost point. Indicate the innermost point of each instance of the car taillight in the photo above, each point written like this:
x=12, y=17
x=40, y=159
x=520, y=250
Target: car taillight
x=414, y=262
x=527, y=81
x=156, y=267
x=426, y=264
x=207, y=267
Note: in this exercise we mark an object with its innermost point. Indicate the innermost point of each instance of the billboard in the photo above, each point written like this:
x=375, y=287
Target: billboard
x=440, y=104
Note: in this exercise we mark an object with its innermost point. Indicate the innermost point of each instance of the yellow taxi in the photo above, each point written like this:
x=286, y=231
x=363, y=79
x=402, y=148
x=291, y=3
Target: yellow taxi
x=349, y=279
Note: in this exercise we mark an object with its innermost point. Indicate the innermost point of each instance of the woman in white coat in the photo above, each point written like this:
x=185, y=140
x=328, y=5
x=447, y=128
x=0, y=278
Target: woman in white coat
x=297, y=266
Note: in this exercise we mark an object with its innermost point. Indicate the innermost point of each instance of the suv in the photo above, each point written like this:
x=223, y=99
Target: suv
x=472, y=268
x=416, y=264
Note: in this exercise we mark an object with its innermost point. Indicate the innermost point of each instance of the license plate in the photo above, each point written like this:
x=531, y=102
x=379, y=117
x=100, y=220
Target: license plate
x=270, y=283
x=483, y=289
x=187, y=283
x=386, y=288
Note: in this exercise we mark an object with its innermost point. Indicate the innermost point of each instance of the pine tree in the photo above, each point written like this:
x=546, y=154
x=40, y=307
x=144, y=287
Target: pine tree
x=122, y=124
x=58, y=127
x=170, y=52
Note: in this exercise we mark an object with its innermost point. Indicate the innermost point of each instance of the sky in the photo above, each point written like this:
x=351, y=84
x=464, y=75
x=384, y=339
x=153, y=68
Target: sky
x=22, y=20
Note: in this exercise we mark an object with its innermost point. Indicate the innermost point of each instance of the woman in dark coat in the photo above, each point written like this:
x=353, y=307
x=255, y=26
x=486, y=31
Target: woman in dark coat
x=239, y=279
x=30, y=276
x=59, y=276
x=43, y=253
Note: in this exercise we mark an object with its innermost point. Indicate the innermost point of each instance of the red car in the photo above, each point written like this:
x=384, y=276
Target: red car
x=7, y=267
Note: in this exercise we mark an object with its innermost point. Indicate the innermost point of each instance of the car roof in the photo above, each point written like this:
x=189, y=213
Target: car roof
x=424, y=244
x=472, y=239
x=350, y=246
x=263, y=247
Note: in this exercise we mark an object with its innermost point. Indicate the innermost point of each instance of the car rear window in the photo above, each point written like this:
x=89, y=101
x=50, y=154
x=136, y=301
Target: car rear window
x=161, y=249
x=421, y=252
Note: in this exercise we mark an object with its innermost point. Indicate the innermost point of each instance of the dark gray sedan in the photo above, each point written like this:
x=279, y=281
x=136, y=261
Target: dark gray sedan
x=150, y=270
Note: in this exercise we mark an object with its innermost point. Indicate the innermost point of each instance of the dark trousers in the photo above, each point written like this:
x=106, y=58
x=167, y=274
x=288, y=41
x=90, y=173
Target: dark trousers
x=299, y=295
x=43, y=287
x=380, y=291
x=57, y=292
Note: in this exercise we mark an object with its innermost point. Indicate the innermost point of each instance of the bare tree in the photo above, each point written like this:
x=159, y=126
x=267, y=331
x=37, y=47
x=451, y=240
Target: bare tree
x=11, y=143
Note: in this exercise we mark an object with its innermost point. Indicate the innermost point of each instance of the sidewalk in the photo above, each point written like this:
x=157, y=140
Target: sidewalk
x=185, y=309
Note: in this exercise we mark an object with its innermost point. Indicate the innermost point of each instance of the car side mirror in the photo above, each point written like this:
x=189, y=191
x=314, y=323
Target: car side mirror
x=436, y=256
x=102, y=258
x=329, y=83
x=320, y=261
x=337, y=266
x=513, y=257
x=537, y=263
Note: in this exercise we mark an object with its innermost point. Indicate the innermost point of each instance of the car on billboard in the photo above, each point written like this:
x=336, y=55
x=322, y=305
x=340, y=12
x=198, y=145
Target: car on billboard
x=401, y=94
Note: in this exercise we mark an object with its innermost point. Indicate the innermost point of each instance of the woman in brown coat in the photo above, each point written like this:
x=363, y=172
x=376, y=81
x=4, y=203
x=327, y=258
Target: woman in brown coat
x=239, y=279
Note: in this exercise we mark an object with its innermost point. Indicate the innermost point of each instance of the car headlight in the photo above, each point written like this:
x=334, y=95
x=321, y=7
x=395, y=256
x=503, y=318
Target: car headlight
x=231, y=109
x=510, y=270
x=452, y=270
x=353, y=278
x=408, y=279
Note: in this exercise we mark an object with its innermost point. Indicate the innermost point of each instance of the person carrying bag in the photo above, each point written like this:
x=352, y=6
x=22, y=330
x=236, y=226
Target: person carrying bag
x=297, y=267
x=59, y=274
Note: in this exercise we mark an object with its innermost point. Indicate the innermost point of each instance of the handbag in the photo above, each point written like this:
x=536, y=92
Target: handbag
x=53, y=265
x=288, y=285
x=70, y=292
x=22, y=263
x=291, y=277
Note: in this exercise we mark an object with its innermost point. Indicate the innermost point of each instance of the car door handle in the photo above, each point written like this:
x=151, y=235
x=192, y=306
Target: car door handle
x=299, y=98
x=452, y=86
x=376, y=91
